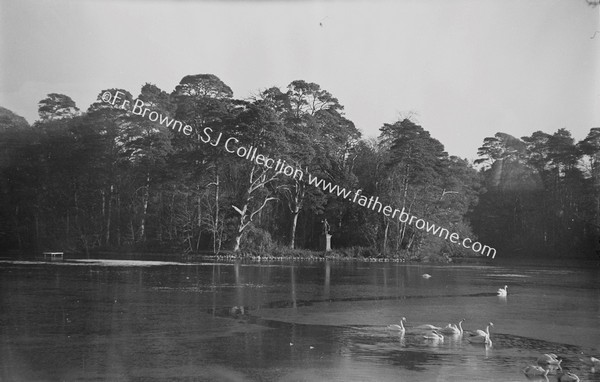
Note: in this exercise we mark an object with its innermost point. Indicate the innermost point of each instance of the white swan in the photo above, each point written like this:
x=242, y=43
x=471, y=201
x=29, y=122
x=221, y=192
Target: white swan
x=480, y=332
x=434, y=335
x=480, y=340
x=534, y=371
x=426, y=275
x=549, y=359
x=428, y=327
x=503, y=291
x=400, y=327
x=450, y=329
x=453, y=329
x=482, y=337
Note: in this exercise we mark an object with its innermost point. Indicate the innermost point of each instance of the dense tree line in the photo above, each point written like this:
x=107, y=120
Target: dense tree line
x=107, y=178
x=541, y=194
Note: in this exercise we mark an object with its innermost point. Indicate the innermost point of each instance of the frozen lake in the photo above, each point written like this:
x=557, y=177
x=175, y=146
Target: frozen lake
x=324, y=321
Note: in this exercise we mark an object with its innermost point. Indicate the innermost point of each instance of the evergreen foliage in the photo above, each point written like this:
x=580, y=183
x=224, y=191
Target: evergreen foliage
x=110, y=179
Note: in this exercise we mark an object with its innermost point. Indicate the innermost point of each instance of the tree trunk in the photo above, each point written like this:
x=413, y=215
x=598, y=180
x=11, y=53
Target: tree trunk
x=398, y=235
x=199, y=220
x=132, y=230
x=171, y=217
x=295, y=214
x=385, y=237
x=241, y=226
x=108, y=213
x=216, y=221
x=145, y=200
x=295, y=202
x=37, y=232
x=238, y=239
x=17, y=228
x=118, y=219
x=159, y=233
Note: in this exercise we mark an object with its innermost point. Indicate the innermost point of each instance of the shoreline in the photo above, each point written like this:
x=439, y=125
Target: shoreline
x=276, y=255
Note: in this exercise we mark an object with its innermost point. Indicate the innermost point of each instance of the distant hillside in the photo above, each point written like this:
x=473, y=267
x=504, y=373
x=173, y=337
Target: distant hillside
x=8, y=119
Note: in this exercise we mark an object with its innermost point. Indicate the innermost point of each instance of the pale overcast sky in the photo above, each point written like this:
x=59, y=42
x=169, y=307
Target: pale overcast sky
x=465, y=69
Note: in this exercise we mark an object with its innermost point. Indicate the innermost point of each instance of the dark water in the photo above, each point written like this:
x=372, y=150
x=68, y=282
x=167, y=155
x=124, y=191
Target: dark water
x=153, y=321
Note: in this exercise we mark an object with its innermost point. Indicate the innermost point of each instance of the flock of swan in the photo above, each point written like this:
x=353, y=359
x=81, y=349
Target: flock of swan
x=550, y=364
x=433, y=332
x=546, y=363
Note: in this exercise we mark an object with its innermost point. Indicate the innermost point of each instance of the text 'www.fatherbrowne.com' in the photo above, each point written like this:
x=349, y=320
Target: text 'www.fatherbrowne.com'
x=231, y=145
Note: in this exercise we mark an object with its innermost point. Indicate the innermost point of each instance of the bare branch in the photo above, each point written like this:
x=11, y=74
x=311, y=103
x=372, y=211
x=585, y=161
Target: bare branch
x=444, y=192
x=261, y=207
x=242, y=213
